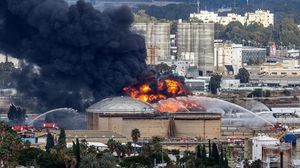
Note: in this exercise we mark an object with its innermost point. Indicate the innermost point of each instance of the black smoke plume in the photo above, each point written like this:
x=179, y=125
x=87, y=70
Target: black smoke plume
x=72, y=55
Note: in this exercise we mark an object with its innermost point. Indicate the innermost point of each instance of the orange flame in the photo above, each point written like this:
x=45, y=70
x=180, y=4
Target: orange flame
x=157, y=90
x=178, y=105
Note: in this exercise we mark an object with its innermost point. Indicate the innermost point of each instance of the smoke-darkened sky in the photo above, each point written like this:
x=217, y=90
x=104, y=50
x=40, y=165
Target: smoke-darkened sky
x=73, y=55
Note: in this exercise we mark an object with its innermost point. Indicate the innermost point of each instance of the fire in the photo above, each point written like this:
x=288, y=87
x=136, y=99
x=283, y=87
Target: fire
x=170, y=106
x=181, y=104
x=145, y=88
x=154, y=91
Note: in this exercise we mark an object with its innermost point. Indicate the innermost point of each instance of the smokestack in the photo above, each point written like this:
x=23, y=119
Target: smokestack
x=6, y=58
x=72, y=56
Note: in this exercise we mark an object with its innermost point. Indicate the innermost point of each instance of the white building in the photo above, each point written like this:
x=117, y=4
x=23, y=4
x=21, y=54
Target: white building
x=287, y=67
x=228, y=57
x=157, y=38
x=197, y=86
x=232, y=17
x=258, y=142
x=230, y=83
x=206, y=17
x=263, y=17
x=260, y=16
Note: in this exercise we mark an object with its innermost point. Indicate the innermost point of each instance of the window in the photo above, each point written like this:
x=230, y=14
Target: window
x=283, y=73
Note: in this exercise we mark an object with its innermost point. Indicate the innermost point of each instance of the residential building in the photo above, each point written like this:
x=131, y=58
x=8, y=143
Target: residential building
x=253, y=55
x=227, y=57
x=157, y=38
x=263, y=17
x=206, y=16
x=196, y=43
x=232, y=17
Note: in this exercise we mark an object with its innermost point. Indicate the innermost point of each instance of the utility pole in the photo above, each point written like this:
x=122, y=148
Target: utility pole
x=162, y=156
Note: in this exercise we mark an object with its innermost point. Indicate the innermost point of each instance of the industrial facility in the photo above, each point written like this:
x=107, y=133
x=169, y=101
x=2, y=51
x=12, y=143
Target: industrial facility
x=122, y=114
x=157, y=38
x=196, y=43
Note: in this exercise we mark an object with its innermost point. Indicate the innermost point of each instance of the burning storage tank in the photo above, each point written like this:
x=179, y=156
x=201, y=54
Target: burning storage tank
x=122, y=114
x=169, y=95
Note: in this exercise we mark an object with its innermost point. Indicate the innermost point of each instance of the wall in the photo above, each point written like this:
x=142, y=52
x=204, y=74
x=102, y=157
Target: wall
x=150, y=127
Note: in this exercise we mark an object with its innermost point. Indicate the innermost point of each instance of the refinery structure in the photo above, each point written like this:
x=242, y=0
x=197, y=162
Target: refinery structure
x=167, y=79
x=157, y=37
x=195, y=43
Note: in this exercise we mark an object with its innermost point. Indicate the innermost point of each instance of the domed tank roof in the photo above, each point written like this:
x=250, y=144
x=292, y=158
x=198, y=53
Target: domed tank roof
x=117, y=105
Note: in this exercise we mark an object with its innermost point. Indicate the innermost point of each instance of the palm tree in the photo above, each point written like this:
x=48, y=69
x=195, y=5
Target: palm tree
x=128, y=148
x=135, y=134
x=119, y=149
x=111, y=144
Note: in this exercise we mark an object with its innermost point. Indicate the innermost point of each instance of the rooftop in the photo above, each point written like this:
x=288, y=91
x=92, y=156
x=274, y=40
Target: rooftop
x=120, y=105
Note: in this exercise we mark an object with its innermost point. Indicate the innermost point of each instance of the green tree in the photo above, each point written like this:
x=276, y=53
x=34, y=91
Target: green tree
x=46, y=160
x=215, y=153
x=29, y=156
x=120, y=149
x=214, y=83
x=128, y=148
x=49, y=143
x=62, y=139
x=256, y=164
x=76, y=151
x=107, y=161
x=267, y=93
x=16, y=114
x=135, y=135
x=243, y=75
x=199, y=151
x=12, y=112
x=286, y=92
x=111, y=144
x=209, y=149
x=64, y=155
x=203, y=151
x=10, y=145
x=251, y=62
x=89, y=161
x=260, y=93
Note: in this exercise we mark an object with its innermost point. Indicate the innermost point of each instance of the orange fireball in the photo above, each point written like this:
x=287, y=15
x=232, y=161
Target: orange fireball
x=156, y=90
